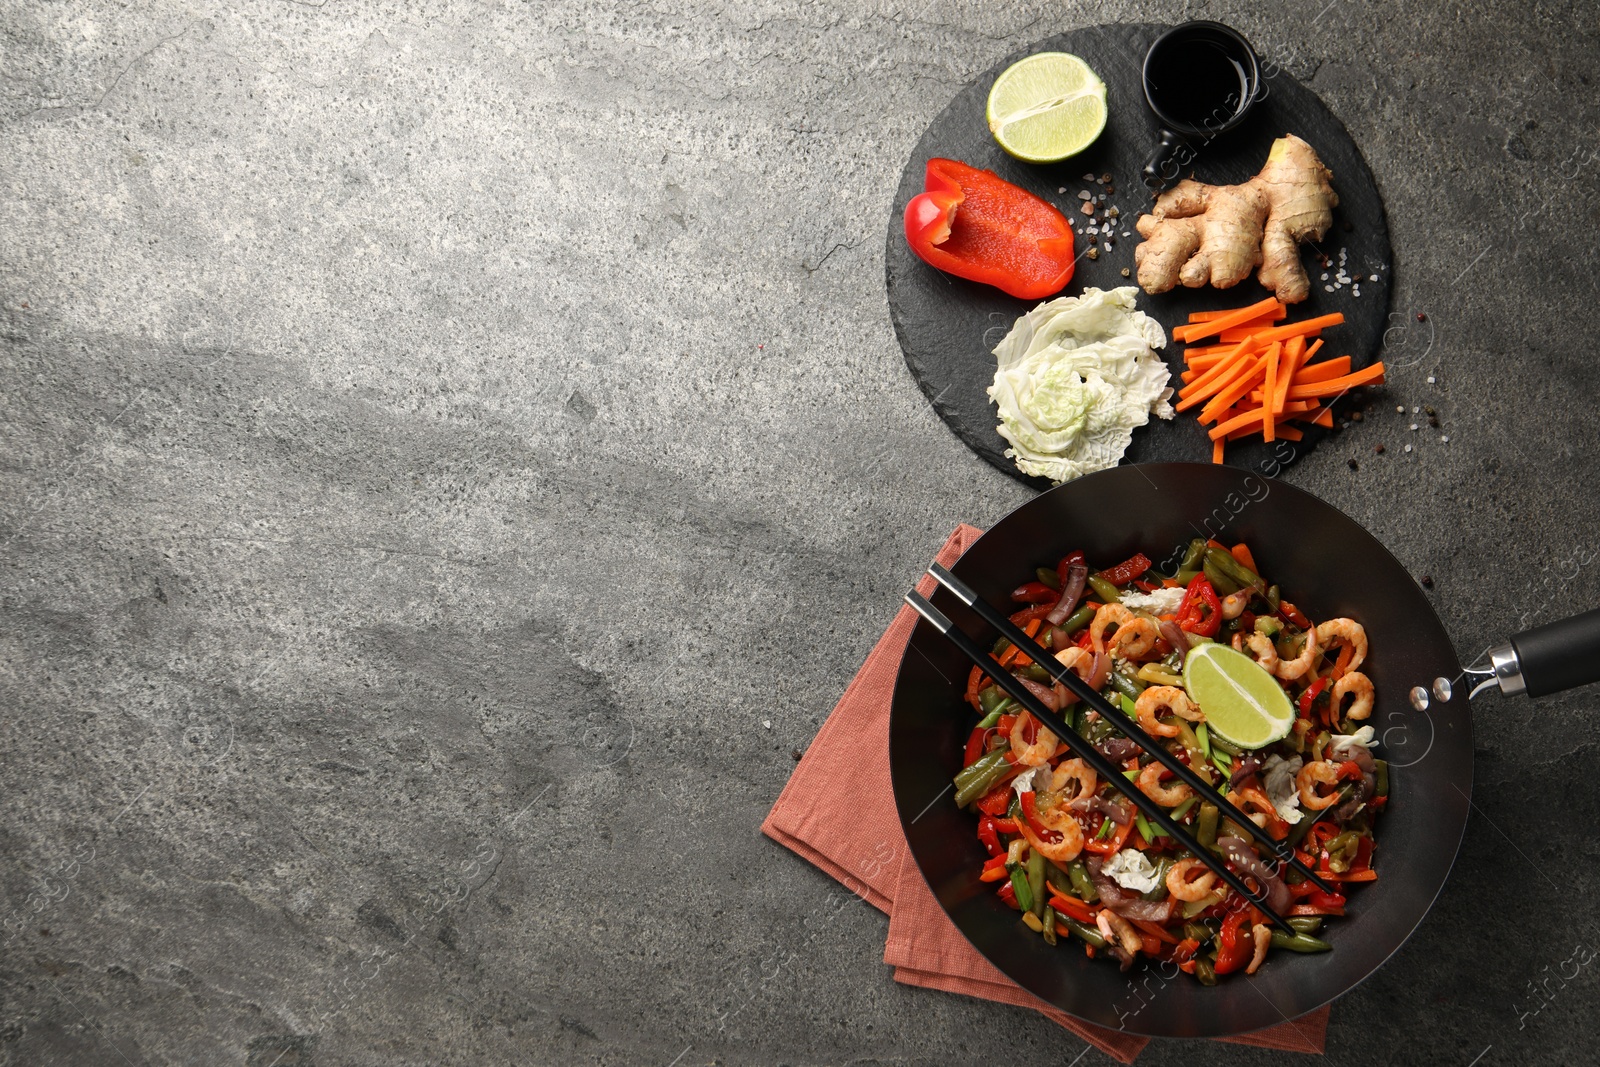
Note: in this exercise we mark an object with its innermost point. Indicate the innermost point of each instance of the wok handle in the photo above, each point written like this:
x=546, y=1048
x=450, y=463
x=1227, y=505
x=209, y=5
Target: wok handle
x=1559, y=655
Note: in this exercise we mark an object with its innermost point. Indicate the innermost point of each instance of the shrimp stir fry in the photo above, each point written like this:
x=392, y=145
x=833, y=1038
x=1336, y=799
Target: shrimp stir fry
x=1068, y=849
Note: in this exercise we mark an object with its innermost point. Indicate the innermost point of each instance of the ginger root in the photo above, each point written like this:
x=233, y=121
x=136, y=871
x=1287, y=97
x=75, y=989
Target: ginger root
x=1200, y=233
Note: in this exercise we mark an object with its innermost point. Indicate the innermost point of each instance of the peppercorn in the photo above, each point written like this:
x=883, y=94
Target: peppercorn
x=1354, y=465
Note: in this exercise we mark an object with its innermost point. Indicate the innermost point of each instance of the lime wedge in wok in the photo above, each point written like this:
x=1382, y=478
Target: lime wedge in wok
x=1243, y=703
x=1047, y=107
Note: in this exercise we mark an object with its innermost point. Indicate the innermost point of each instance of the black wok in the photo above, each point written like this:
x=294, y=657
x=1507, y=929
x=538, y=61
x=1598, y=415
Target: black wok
x=1329, y=566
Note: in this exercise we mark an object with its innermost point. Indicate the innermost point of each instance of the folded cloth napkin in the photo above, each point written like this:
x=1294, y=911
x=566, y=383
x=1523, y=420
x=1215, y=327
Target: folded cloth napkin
x=837, y=811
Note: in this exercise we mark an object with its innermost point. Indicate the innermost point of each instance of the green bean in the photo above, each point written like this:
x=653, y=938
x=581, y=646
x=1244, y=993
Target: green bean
x=1000, y=647
x=991, y=699
x=1174, y=659
x=1078, y=620
x=1205, y=972
x=1128, y=707
x=1057, y=877
x=989, y=720
x=1035, y=672
x=1143, y=825
x=1036, y=882
x=1196, y=932
x=1274, y=598
x=1183, y=809
x=1224, y=585
x=1049, y=577
x=1241, y=576
x=1193, y=554
x=1307, y=924
x=1088, y=933
x=982, y=776
x=1227, y=746
x=1299, y=942
x=1191, y=744
x=1186, y=575
x=1082, y=884
x=1202, y=733
x=1019, y=886
x=1205, y=825
x=1049, y=933
x=1127, y=685
x=1233, y=829
x=1104, y=590
x=1382, y=768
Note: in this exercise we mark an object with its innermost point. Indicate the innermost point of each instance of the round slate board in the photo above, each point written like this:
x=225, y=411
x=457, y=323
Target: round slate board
x=948, y=327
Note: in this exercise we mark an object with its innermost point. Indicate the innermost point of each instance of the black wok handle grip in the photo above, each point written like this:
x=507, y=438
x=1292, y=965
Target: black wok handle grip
x=1166, y=162
x=1559, y=655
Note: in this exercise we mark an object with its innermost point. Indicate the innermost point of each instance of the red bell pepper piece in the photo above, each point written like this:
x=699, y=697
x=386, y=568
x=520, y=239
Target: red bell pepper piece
x=1349, y=771
x=1309, y=697
x=1030, y=814
x=1127, y=571
x=1289, y=613
x=1008, y=894
x=1235, y=947
x=1006, y=826
x=1066, y=563
x=976, y=745
x=1035, y=593
x=1112, y=844
x=989, y=836
x=975, y=225
x=997, y=800
x=1201, y=610
x=994, y=870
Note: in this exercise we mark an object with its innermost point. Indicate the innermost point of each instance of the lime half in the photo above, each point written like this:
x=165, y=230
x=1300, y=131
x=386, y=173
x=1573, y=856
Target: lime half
x=1047, y=107
x=1243, y=703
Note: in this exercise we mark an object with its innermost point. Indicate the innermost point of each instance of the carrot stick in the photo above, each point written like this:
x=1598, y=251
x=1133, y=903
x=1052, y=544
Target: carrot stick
x=1208, y=316
x=1228, y=363
x=1293, y=329
x=1222, y=377
x=1233, y=393
x=1286, y=432
x=1294, y=355
x=1337, y=367
x=1216, y=450
x=1251, y=418
x=1269, y=389
x=1242, y=553
x=1195, y=331
x=1335, y=386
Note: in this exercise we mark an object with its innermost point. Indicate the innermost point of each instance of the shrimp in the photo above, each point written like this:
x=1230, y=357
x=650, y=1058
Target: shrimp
x=1262, y=646
x=1168, y=796
x=1079, y=662
x=1044, y=744
x=1354, y=682
x=1180, y=885
x=1114, y=927
x=1136, y=635
x=1310, y=775
x=1263, y=935
x=1061, y=824
x=1074, y=770
x=1290, y=669
x=1346, y=632
x=1164, y=698
x=1233, y=604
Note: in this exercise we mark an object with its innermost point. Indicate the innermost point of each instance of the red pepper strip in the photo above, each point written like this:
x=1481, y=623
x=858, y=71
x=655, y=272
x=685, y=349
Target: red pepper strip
x=1235, y=948
x=1154, y=931
x=1368, y=875
x=975, y=225
x=1008, y=894
x=1349, y=771
x=1201, y=610
x=994, y=870
x=1289, y=613
x=1187, y=966
x=1127, y=571
x=1186, y=950
x=997, y=800
x=1309, y=697
x=1030, y=814
x=1112, y=844
x=1066, y=564
x=1035, y=593
x=975, y=745
x=975, y=683
x=1319, y=899
x=1071, y=906
x=1144, y=586
x=1027, y=615
x=1307, y=910
x=1006, y=826
x=989, y=836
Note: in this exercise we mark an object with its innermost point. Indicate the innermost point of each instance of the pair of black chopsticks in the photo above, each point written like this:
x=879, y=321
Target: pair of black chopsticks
x=1088, y=753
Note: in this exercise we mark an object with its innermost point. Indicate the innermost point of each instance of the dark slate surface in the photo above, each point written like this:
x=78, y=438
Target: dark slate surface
x=438, y=439
x=948, y=326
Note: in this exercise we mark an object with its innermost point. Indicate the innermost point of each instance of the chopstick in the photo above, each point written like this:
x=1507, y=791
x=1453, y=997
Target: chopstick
x=1090, y=755
x=1132, y=730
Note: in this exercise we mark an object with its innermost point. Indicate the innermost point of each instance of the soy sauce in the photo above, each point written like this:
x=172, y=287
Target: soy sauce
x=1199, y=83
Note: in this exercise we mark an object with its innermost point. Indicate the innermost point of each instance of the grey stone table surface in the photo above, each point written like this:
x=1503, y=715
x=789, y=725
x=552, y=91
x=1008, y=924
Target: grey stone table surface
x=455, y=453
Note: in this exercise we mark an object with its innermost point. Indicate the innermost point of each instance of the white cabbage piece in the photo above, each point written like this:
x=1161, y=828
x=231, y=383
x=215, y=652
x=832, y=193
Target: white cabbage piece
x=1363, y=736
x=1075, y=377
x=1132, y=870
x=1278, y=779
x=1160, y=602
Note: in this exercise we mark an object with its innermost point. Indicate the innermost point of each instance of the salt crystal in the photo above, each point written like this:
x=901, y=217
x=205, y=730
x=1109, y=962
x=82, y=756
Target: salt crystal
x=1327, y=288
x=1415, y=409
x=1445, y=438
x=1413, y=426
x=1408, y=448
x=1125, y=233
x=1401, y=410
x=1324, y=277
x=1064, y=189
x=1084, y=194
x=1430, y=379
x=1370, y=277
x=1088, y=177
x=767, y=723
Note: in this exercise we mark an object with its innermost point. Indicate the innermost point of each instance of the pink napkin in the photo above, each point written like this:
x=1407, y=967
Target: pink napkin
x=837, y=811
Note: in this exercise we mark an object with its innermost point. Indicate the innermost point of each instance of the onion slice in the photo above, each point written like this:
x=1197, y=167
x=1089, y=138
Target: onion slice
x=1071, y=593
x=1242, y=856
